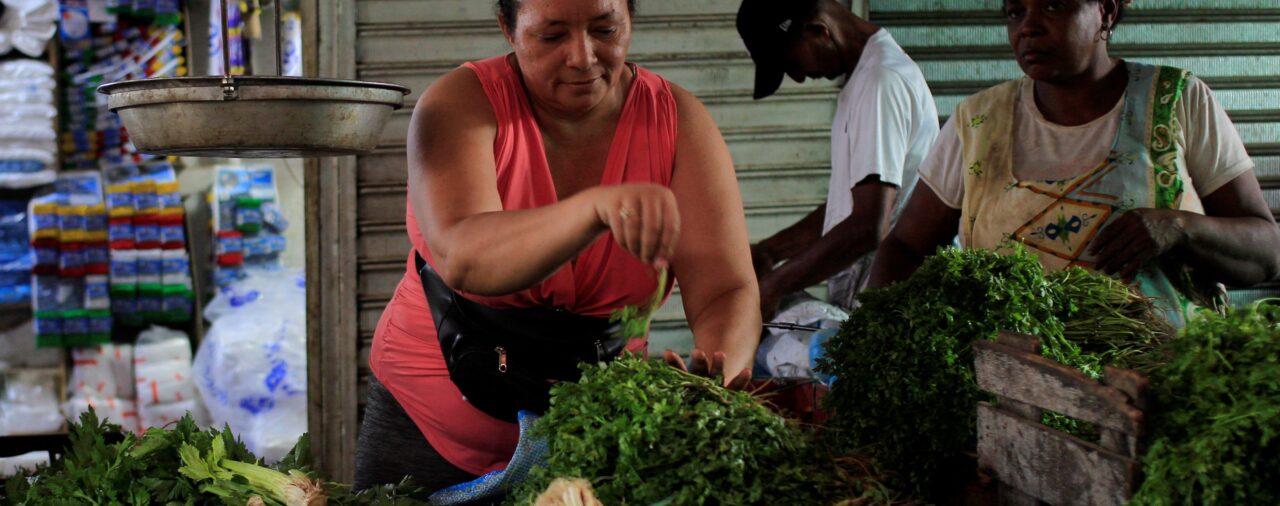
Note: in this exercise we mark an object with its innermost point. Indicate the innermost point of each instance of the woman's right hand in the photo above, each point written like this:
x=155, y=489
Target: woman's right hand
x=643, y=218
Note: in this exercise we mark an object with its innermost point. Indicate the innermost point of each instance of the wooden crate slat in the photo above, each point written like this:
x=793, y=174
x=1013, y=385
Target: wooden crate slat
x=1029, y=344
x=1032, y=379
x=1049, y=465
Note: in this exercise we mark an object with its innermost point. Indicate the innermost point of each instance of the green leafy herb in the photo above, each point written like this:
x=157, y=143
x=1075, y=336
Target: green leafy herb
x=634, y=321
x=1216, y=429
x=905, y=391
x=643, y=432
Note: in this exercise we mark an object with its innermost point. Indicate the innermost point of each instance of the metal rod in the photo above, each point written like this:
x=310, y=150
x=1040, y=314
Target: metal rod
x=226, y=41
x=279, y=38
x=791, y=326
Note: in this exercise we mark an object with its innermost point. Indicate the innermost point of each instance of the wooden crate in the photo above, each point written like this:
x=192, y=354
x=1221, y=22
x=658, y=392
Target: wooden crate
x=1035, y=464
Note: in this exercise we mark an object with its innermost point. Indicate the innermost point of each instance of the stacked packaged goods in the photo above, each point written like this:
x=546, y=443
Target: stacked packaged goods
x=28, y=151
x=70, y=294
x=150, y=267
x=248, y=224
x=130, y=40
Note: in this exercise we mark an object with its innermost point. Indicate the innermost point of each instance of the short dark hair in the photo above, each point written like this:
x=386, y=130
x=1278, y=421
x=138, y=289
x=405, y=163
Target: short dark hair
x=507, y=9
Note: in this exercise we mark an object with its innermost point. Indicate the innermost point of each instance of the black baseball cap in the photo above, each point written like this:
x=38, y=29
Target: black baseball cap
x=765, y=27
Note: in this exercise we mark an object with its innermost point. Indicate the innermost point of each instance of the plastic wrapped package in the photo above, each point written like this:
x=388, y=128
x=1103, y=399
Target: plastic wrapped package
x=18, y=348
x=251, y=368
x=161, y=415
x=23, y=464
x=164, y=382
x=92, y=372
x=30, y=402
x=162, y=344
x=123, y=412
x=27, y=25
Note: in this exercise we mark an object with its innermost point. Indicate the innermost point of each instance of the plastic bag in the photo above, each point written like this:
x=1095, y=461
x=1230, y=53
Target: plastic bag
x=164, y=382
x=161, y=415
x=122, y=412
x=18, y=348
x=162, y=344
x=794, y=353
x=27, y=25
x=251, y=368
x=23, y=464
x=30, y=403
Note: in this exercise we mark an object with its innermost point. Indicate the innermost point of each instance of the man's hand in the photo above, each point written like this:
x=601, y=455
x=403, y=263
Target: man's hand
x=710, y=367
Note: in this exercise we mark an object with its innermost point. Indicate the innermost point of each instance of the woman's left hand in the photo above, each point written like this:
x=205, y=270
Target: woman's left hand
x=1136, y=237
x=711, y=367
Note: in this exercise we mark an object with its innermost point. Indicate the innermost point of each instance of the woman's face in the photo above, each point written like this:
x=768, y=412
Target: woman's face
x=1054, y=40
x=571, y=52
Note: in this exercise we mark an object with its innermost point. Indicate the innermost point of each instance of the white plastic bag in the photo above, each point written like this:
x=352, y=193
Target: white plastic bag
x=92, y=374
x=162, y=344
x=122, y=412
x=251, y=368
x=25, y=463
x=793, y=353
x=164, y=382
x=161, y=415
x=30, y=402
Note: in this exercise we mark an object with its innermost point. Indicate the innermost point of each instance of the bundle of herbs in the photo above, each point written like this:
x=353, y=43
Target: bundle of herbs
x=905, y=392
x=1216, y=428
x=1108, y=323
x=184, y=465
x=642, y=432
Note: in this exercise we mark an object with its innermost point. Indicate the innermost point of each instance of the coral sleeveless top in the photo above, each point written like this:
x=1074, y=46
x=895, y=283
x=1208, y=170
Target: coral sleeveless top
x=406, y=355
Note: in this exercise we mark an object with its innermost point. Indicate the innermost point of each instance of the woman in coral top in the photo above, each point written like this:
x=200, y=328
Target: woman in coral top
x=559, y=177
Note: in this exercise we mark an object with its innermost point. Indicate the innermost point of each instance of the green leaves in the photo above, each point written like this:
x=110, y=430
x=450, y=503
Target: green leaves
x=643, y=432
x=905, y=392
x=1216, y=432
x=634, y=321
x=183, y=466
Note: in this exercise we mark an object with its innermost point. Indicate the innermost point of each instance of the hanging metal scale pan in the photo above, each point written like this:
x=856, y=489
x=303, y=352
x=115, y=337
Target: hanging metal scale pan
x=253, y=116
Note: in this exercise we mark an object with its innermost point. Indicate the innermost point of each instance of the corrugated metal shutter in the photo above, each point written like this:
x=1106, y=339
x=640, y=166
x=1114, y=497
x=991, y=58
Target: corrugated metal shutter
x=780, y=145
x=1233, y=45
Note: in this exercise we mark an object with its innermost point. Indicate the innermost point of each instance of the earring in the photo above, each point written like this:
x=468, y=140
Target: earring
x=1104, y=34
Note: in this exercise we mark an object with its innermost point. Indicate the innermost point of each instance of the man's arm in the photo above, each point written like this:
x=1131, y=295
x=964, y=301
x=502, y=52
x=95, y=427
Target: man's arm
x=788, y=242
x=857, y=235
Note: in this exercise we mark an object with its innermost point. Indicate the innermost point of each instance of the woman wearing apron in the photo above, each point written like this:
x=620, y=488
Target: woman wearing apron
x=1129, y=169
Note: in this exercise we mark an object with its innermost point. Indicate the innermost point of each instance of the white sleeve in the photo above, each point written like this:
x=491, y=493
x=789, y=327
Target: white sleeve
x=941, y=170
x=879, y=128
x=1214, y=152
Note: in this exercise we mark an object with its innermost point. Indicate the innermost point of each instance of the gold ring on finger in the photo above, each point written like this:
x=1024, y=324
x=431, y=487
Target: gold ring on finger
x=625, y=213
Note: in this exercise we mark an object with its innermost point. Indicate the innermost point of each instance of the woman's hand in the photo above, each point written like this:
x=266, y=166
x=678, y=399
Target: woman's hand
x=643, y=218
x=710, y=367
x=1136, y=237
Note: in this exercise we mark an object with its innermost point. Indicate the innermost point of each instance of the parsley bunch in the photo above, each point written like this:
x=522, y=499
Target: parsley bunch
x=1216, y=432
x=133, y=471
x=645, y=433
x=905, y=392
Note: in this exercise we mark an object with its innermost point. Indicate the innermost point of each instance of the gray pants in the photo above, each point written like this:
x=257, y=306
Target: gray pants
x=391, y=447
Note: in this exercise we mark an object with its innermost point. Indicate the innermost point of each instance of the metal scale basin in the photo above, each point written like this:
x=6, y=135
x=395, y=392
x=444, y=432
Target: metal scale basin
x=253, y=116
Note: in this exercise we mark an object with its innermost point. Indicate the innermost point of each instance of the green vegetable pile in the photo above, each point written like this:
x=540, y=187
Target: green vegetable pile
x=643, y=432
x=905, y=392
x=1216, y=430
x=183, y=466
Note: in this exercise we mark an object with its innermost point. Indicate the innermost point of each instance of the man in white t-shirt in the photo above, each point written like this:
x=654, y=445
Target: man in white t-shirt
x=884, y=125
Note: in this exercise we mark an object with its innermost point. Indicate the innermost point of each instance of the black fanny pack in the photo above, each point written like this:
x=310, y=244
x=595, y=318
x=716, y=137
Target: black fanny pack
x=505, y=360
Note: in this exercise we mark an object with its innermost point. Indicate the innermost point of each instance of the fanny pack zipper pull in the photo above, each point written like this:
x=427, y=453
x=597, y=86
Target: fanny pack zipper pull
x=502, y=358
x=599, y=351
